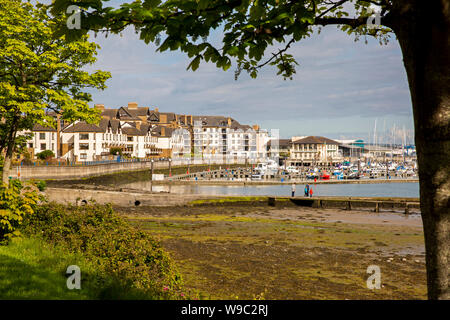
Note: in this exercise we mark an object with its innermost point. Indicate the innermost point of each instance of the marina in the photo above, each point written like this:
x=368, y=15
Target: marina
x=393, y=189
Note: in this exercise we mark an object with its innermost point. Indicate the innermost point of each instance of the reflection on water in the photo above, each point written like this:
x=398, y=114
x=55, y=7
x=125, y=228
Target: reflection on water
x=392, y=189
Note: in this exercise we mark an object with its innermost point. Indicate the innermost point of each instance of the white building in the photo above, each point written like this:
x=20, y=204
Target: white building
x=314, y=150
x=140, y=132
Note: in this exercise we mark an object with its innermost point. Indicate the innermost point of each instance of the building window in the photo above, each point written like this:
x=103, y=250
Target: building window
x=30, y=145
x=43, y=146
x=129, y=138
x=84, y=146
x=84, y=136
x=83, y=155
x=42, y=135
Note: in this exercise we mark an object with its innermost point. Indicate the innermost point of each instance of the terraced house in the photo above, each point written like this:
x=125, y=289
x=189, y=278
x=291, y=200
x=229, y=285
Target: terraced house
x=142, y=132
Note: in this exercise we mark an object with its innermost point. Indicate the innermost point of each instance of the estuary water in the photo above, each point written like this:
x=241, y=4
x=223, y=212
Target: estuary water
x=392, y=189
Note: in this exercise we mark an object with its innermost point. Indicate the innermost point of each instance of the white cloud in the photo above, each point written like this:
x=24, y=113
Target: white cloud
x=337, y=79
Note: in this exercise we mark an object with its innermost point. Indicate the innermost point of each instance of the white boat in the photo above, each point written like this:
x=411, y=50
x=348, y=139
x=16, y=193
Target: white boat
x=269, y=167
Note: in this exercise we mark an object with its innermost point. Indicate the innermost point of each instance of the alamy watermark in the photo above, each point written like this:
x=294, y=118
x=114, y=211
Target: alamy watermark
x=74, y=20
x=374, y=280
x=374, y=20
x=74, y=279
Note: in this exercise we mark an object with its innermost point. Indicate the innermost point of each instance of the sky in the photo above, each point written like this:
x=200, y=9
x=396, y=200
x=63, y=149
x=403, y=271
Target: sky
x=342, y=88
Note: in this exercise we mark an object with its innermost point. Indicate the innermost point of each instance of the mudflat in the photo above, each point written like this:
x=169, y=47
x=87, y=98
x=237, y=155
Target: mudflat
x=261, y=252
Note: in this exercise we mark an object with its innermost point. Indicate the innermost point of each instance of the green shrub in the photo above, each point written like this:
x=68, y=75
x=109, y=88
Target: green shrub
x=16, y=202
x=116, y=247
x=41, y=185
x=45, y=155
x=115, y=151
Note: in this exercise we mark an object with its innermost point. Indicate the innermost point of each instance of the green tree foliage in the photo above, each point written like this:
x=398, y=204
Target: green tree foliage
x=115, y=151
x=45, y=155
x=16, y=202
x=250, y=27
x=40, y=72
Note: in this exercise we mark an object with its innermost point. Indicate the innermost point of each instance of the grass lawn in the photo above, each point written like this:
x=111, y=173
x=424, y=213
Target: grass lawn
x=32, y=269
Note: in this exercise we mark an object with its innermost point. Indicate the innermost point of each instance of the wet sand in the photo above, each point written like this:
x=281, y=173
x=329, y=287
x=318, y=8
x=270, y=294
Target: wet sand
x=252, y=251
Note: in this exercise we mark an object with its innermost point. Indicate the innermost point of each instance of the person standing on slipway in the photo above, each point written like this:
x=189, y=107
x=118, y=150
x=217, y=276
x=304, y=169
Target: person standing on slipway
x=293, y=189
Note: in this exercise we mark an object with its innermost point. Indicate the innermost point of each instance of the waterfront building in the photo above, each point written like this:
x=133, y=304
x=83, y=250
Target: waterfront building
x=142, y=132
x=314, y=150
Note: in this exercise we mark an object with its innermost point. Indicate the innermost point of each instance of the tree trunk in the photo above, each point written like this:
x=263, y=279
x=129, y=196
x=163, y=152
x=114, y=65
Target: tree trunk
x=10, y=145
x=8, y=157
x=423, y=30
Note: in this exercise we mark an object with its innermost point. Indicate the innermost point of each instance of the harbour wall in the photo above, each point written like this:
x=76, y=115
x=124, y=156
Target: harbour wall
x=83, y=171
x=135, y=199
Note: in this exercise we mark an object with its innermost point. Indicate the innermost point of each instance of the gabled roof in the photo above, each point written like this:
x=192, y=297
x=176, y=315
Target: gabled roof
x=82, y=126
x=115, y=125
x=131, y=131
x=126, y=114
x=139, y=112
x=156, y=131
x=281, y=142
x=153, y=116
x=315, y=140
x=145, y=128
x=38, y=127
x=170, y=116
x=109, y=113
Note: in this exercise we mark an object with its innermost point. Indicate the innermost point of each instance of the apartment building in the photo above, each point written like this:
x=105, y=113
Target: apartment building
x=219, y=136
x=142, y=132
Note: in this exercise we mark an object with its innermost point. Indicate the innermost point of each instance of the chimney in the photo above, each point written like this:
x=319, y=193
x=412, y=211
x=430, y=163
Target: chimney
x=255, y=127
x=132, y=105
x=99, y=106
x=229, y=121
x=185, y=120
x=163, y=131
x=156, y=110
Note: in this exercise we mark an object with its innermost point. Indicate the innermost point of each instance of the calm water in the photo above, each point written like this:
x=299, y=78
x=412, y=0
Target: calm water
x=410, y=189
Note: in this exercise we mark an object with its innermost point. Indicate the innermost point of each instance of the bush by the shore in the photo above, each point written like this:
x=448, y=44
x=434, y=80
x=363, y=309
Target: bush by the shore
x=116, y=250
